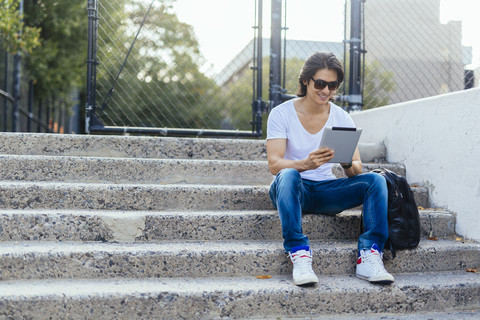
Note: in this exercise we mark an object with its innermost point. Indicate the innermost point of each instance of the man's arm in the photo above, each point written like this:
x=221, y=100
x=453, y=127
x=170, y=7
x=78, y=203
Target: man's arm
x=356, y=167
x=276, y=151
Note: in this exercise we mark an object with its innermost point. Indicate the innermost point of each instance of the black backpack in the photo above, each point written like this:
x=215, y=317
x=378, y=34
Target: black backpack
x=403, y=218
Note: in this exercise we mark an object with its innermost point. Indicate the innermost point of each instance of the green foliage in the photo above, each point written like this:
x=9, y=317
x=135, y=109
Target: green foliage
x=15, y=36
x=58, y=66
x=161, y=84
x=238, y=92
x=293, y=68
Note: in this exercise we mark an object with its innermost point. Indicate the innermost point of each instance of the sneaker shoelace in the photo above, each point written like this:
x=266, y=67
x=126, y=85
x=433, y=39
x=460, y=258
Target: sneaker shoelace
x=374, y=260
x=302, y=260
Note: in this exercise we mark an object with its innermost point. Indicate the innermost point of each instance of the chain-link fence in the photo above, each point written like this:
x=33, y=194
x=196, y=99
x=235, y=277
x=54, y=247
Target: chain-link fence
x=166, y=81
x=188, y=63
x=411, y=54
x=187, y=69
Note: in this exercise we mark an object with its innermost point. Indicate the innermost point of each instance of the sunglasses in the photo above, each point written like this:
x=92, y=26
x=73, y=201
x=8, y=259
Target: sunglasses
x=321, y=84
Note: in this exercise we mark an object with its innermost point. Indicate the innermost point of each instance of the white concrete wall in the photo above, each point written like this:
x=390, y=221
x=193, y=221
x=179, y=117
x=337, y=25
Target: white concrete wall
x=438, y=141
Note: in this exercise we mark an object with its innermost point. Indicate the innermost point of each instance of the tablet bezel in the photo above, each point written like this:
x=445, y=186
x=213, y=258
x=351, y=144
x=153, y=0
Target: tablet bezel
x=343, y=140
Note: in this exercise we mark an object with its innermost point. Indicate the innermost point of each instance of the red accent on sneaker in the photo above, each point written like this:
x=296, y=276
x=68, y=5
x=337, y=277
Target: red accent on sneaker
x=299, y=255
x=359, y=260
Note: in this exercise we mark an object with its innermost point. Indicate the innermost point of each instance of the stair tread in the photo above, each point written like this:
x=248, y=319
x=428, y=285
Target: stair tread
x=465, y=313
x=110, y=185
x=49, y=259
x=78, y=288
x=199, y=285
x=15, y=248
x=146, y=170
x=239, y=297
x=192, y=213
x=154, y=225
x=106, y=158
x=131, y=146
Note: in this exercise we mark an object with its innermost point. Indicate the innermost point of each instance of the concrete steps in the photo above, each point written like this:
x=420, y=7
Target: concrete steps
x=149, y=147
x=66, y=260
x=154, y=226
x=131, y=147
x=144, y=170
x=236, y=298
x=98, y=196
x=177, y=228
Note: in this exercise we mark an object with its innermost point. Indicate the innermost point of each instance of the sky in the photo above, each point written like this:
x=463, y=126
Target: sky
x=232, y=26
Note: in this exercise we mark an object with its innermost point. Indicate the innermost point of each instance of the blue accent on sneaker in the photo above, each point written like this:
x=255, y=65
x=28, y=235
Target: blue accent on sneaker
x=374, y=247
x=295, y=249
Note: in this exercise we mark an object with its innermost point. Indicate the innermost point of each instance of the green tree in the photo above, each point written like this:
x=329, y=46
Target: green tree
x=161, y=83
x=239, y=93
x=15, y=35
x=58, y=65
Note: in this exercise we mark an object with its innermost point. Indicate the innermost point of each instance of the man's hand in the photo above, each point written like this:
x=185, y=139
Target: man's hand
x=318, y=157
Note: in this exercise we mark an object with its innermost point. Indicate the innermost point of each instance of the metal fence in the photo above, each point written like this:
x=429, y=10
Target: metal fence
x=162, y=74
x=217, y=66
x=411, y=54
x=152, y=74
x=22, y=111
x=155, y=70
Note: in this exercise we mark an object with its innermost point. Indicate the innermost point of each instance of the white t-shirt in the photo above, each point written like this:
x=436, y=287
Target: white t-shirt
x=283, y=123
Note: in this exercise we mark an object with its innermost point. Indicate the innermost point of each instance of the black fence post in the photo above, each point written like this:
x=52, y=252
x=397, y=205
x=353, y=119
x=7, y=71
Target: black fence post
x=277, y=92
x=91, y=62
x=74, y=119
x=5, y=99
x=275, y=96
x=258, y=105
x=17, y=71
x=30, y=106
x=39, y=125
x=355, y=78
x=48, y=116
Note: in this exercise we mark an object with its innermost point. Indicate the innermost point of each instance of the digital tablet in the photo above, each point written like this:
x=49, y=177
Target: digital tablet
x=343, y=141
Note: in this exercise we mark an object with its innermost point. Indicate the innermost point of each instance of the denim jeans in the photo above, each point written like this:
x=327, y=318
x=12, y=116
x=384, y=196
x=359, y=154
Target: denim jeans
x=291, y=195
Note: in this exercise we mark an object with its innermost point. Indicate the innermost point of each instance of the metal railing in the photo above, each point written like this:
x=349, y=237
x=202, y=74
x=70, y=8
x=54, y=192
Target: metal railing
x=32, y=116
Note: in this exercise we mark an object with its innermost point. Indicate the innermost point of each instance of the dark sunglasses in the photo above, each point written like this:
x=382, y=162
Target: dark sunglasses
x=320, y=84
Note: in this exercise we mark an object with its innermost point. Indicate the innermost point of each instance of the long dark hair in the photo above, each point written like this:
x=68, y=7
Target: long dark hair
x=317, y=61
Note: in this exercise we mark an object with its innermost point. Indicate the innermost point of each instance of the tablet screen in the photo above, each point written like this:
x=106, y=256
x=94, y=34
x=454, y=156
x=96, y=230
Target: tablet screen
x=343, y=141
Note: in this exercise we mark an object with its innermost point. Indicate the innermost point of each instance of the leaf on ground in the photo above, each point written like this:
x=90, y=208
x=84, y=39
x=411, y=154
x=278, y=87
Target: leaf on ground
x=421, y=208
x=459, y=239
x=472, y=270
x=264, y=277
x=433, y=238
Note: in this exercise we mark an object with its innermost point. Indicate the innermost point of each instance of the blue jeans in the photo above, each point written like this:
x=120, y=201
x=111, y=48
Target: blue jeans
x=291, y=195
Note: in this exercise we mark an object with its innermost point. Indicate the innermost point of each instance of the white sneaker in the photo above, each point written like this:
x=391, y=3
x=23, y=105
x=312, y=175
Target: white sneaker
x=302, y=267
x=370, y=266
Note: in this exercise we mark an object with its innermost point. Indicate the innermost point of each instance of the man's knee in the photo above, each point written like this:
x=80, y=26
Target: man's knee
x=289, y=176
x=375, y=179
